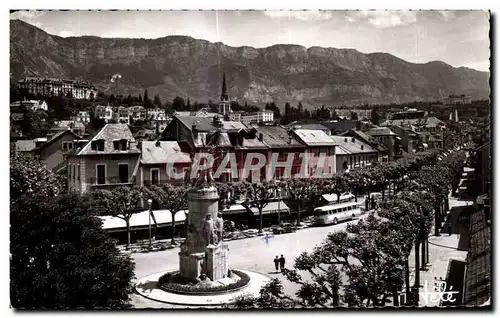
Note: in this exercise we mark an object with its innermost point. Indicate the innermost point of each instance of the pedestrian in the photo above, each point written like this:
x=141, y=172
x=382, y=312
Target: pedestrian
x=282, y=262
x=367, y=203
x=276, y=263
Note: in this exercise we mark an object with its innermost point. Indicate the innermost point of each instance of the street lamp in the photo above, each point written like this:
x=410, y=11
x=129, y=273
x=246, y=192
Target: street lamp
x=150, y=203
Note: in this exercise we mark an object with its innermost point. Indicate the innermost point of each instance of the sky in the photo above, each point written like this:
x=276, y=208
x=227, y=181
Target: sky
x=459, y=38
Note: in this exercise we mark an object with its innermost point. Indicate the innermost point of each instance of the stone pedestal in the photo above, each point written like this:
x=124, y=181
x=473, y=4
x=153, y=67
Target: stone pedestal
x=216, y=261
x=196, y=257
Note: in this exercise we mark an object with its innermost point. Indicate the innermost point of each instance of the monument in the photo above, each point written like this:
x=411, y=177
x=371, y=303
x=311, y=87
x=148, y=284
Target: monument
x=204, y=251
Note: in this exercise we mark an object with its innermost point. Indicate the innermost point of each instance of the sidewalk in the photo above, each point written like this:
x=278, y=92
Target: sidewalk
x=442, y=250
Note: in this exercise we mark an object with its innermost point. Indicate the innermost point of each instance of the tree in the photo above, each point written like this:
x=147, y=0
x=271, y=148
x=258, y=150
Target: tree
x=57, y=241
x=91, y=96
x=147, y=101
x=178, y=104
x=28, y=176
x=299, y=191
x=157, y=101
x=258, y=195
x=367, y=253
x=122, y=202
x=354, y=116
x=375, y=118
x=172, y=198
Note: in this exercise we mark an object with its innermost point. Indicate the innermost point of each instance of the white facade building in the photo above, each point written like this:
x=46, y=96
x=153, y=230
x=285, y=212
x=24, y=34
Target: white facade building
x=262, y=116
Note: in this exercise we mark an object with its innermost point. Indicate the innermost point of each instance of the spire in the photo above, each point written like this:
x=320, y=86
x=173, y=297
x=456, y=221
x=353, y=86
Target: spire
x=224, y=96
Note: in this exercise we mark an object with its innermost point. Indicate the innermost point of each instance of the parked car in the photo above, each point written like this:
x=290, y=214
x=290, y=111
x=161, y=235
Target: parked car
x=229, y=226
x=289, y=228
x=277, y=229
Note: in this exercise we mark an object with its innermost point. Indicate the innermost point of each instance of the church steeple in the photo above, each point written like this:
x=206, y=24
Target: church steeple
x=224, y=96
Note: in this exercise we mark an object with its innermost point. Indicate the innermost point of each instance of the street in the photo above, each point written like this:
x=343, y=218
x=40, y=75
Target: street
x=250, y=254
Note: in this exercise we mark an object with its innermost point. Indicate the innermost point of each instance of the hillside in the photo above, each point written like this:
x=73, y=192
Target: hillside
x=180, y=65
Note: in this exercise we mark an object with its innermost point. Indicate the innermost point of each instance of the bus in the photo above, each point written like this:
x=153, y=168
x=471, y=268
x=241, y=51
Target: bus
x=333, y=214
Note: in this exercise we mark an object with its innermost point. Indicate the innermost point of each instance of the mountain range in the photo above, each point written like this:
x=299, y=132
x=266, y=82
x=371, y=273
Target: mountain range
x=182, y=66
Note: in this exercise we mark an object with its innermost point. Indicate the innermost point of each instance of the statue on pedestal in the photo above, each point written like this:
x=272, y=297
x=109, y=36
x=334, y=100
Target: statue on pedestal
x=219, y=227
x=208, y=230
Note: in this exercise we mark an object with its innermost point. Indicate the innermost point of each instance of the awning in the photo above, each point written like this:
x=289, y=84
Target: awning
x=273, y=207
x=141, y=220
x=234, y=209
x=332, y=197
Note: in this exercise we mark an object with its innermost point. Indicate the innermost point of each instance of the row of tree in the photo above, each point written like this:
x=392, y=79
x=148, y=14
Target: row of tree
x=368, y=263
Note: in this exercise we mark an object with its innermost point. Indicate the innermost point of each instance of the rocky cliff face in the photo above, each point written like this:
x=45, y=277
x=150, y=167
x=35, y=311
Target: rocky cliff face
x=178, y=65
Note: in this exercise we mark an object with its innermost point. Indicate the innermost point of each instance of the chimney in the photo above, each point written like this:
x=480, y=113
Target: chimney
x=261, y=137
x=195, y=131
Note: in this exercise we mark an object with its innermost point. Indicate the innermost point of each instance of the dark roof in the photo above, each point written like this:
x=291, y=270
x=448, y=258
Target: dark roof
x=205, y=124
x=365, y=138
x=339, y=126
x=56, y=137
x=311, y=126
x=110, y=133
x=478, y=274
x=278, y=137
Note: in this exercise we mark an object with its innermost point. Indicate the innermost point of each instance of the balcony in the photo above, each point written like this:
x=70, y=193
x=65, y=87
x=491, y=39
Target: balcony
x=111, y=181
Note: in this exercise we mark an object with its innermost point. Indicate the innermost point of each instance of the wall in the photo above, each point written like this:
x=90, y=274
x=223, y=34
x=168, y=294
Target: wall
x=53, y=154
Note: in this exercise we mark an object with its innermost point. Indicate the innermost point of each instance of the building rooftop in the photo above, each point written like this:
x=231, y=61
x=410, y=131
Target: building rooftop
x=314, y=137
x=339, y=126
x=25, y=145
x=277, y=137
x=154, y=152
x=110, y=133
x=428, y=122
x=379, y=131
x=346, y=146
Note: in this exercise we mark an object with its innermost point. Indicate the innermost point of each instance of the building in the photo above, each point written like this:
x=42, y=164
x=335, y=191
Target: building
x=318, y=144
x=32, y=105
x=386, y=137
x=338, y=127
x=157, y=157
x=77, y=127
x=235, y=116
x=110, y=158
x=138, y=113
x=352, y=153
x=323, y=128
x=262, y=116
x=56, y=86
x=105, y=112
x=347, y=113
x=122, y=115
x=82, y=117
x=281, y=142
x=457, y=100
x=53, y=152
x=198, y=113
x=382, y=151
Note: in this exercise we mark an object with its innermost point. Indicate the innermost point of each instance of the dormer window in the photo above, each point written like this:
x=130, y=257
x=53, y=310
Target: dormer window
x=97, y=145
x=120, y=144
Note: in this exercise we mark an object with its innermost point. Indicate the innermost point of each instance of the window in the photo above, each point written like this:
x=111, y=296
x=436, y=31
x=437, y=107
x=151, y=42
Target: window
x=78, y=172
x=67, y=145
x=123, y=172
x=120, y=144
x=101, y=173
x=97, y=145
x=155, y=176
